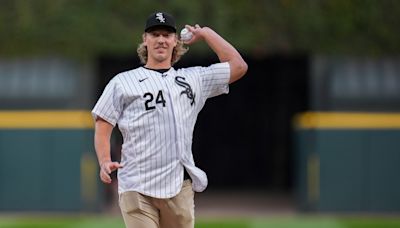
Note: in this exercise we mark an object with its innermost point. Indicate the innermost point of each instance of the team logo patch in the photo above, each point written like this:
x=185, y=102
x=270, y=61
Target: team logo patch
x=188, y=89
x=160, y=17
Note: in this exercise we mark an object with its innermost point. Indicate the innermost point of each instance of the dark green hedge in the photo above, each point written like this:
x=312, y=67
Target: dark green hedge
x=87, y=28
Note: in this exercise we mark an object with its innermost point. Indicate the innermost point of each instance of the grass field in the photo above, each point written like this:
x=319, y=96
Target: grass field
x=270, y=222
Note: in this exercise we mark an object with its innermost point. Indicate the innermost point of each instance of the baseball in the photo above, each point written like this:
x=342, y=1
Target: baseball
x=186, y=35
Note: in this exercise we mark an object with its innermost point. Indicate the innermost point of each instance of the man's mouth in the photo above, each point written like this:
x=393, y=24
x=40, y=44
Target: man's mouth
x=160, y=49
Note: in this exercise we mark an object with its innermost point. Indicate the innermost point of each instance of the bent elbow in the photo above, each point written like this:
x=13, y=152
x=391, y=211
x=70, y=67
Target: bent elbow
x=243, y=68
x=239, y=68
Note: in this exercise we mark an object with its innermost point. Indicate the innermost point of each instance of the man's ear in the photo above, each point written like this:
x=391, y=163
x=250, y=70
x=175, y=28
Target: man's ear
x=144, y=37
x=176, y=40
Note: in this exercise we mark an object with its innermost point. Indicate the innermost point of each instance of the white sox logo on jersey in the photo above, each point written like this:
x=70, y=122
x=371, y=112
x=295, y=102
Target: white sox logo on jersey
x=160, y=17
x=188, y=89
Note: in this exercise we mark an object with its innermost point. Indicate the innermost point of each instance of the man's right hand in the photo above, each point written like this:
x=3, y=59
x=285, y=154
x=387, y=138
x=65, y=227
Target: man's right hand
x=106, y=169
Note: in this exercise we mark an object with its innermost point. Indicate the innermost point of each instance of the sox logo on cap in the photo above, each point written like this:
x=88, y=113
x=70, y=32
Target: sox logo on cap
x=160, y=17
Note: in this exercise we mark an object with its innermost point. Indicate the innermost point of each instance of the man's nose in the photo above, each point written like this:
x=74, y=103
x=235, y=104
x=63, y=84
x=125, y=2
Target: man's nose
x=160, y=39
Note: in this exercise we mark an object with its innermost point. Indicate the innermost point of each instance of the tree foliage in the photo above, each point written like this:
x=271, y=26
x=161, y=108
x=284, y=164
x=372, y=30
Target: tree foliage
x=88, y=28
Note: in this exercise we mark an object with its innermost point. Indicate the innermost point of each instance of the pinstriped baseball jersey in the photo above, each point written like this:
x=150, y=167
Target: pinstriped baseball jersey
x=156, y=113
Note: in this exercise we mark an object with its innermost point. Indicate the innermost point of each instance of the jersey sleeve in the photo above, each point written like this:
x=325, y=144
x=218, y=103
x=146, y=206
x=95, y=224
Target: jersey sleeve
x=109, y=106
x=215, y=79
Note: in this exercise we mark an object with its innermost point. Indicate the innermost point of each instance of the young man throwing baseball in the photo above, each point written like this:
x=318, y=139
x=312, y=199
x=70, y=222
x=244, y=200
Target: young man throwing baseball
x=156, y=107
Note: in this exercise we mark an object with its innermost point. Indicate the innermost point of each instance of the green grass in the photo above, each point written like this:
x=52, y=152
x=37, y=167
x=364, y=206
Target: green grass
x=269, y=222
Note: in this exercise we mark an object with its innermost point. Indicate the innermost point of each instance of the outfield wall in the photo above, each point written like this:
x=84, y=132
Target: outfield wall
x=47, y=161
x=348, y=161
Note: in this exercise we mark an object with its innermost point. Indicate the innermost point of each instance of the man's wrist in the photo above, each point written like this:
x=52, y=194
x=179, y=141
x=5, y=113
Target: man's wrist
x=103, y=162
x=205, y=32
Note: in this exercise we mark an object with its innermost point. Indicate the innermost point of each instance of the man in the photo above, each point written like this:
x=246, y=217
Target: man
x=155, y=107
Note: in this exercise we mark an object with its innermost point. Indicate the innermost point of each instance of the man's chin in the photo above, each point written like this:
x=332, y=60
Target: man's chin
x=161, y=57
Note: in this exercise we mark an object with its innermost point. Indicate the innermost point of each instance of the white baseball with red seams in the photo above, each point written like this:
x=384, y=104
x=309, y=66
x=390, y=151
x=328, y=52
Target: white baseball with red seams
x=186, y=35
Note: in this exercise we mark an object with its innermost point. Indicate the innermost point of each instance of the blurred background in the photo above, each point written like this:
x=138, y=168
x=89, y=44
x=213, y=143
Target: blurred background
x=313, y=127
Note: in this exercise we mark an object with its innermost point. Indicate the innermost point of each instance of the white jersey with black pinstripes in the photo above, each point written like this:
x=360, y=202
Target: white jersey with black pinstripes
x=156, y=113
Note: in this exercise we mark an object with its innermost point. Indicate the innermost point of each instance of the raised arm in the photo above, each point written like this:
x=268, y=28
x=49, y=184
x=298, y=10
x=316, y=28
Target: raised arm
x=224, y=50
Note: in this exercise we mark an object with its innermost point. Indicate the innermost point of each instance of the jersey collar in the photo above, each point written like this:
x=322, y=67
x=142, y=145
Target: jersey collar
x=161, y=71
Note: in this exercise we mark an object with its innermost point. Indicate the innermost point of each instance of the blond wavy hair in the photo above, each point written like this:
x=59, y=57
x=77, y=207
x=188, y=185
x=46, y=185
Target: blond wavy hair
x=177, y=53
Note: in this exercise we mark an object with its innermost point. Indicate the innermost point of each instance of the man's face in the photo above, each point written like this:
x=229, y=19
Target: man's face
x=160, y=44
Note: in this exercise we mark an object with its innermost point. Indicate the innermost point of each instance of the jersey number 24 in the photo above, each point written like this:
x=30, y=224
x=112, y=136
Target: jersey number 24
x=149, y=97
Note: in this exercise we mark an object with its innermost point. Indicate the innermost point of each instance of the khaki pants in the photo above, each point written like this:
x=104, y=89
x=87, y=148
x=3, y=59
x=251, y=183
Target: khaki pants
x=140, y=211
